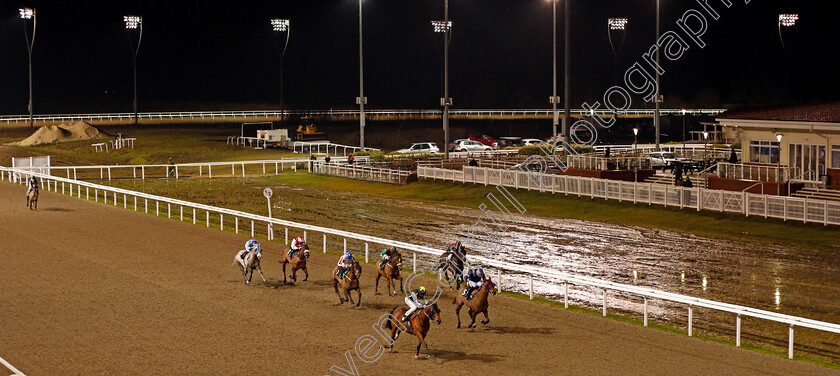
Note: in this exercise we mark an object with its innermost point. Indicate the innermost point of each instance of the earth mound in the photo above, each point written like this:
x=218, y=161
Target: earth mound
x=50, y=134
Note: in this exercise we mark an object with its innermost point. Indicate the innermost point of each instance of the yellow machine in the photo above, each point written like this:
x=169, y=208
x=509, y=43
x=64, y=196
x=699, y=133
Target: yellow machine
x=307, y=131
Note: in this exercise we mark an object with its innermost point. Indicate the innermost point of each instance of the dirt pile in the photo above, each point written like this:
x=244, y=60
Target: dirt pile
x=50, y=134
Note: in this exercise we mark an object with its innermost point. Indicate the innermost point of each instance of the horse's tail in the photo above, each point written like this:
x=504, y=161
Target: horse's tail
x=388, y=323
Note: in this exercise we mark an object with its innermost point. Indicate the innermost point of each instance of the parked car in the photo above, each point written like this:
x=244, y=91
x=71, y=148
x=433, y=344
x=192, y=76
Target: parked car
x=484, y=139
x=509, y=141
x=470, y=145
x=420, y=148
x=531, y=141
x=664, y=159
x=452, y=144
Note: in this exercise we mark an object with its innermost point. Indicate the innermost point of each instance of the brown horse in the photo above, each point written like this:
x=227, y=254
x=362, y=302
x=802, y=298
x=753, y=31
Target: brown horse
x=248, y=263
x=478, y=304
x=349, y=283
x=298, y=262
x=453, y=264
x=419, y=325
x=391, y=272
x=32, y=199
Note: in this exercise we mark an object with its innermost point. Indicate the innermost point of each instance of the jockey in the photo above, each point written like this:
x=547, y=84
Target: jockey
x=474, y=278
x=31, y=185
x=414, y=300
x=344, y=264
x=297, y=244
x=252, y=245
x=386, y=255
x=456, y=248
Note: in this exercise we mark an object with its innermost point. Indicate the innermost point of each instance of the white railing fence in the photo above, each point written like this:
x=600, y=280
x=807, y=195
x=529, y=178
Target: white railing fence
x=361, y=172
x=757, y=172
x=319, y=147
x=768, y=206
x=112, y=196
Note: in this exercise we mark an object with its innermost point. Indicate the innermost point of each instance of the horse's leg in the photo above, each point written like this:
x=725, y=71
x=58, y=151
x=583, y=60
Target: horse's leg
x=376, y=286
x=284, y=270
x=244, y=274
x=473, y=314
x=335, y=286
x=349, y=297
x=360, y=297
x=487, y=319
x=402, y=290
x=259, y=269
x=458, y=311
x=426, y=345
x=307, y=274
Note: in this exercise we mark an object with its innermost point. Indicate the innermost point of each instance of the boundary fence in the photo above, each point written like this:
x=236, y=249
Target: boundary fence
x=769, y=206
x=362, y=172
x=113, y=195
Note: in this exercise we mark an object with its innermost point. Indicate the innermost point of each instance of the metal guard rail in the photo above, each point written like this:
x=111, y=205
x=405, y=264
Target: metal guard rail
x=533, y=271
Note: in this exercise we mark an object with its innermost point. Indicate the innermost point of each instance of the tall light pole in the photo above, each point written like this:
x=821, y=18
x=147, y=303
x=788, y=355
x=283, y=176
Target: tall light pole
x=567, y=110
x=683, y=114
x=616, y=25
x=361, y=100
x=635, y=156
x=705, y=148
x=786, y=20
x=656, y=97
x=135, y=23
x=445, y=27
x=554, y=100
x=282, y=26
x=779, y=164
x=29, y=14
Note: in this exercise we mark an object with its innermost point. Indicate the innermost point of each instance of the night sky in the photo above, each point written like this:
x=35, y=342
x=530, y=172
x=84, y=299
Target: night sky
x=212, y=54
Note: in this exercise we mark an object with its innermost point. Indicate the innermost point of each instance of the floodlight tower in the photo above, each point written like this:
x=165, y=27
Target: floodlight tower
x=135, y=23
x=29, y=14
x=282, y=26
x=445, y=27
x=361, y=100
x=786, y=20
x=657, y=99
x=618, y=26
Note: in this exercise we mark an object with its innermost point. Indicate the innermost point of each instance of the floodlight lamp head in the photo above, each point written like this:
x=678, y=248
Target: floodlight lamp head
x=779, y=137
x=705, y=135
x=788, y=19
x=279, y=25
x=27, y=13
x=617, y=23
x=442, y=26
x=635, y=131
x=133, y=22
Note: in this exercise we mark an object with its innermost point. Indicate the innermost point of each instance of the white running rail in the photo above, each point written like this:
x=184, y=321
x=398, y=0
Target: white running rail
x=113, y=194
x=768, y=206
x=222, y=115
x=11, y=368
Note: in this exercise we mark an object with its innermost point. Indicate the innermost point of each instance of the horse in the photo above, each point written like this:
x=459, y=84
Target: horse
x=391, y=272
x=250, y=262
x=454, y=265
x=419, y=325
x=298, y=262
x=348, y=283
x=32, y=199
x=478, y=304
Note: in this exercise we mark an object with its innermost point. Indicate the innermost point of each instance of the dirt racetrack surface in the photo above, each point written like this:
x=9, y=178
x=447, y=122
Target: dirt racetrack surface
x=90, y=289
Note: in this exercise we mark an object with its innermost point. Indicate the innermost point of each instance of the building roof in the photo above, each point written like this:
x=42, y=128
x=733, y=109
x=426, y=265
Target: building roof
x=820, y=113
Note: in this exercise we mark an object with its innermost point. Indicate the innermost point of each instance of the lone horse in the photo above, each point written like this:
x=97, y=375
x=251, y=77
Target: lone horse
x=249, y=262
x=348, y=283
x=418, y=325
x=298, y=262
x=32, y=199
x=478, y=304
x=391, y=272
x=454, y=263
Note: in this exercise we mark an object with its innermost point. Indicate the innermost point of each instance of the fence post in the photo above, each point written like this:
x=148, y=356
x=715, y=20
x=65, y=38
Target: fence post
x=345, y=245
x=87, y=197
x=531, y=286
x=566, y=294
x=146, y=203
x=252, y=228
x=605, y=303
x=176, y=171
x=366, y=253
x=414, y=262
x=193, y=215
x=325, y=243
x=304, y=235
x=236, y=221
x=157, y=208
x=699, y=198
x=646, y=313
x=790, y=342
x=168, y=210
x=207, y=219
x=287, y=236
x=182, y=213
x=738, y=330
x=143, y=172
x=499, y=279
x=210, y=171
x=690, y=320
